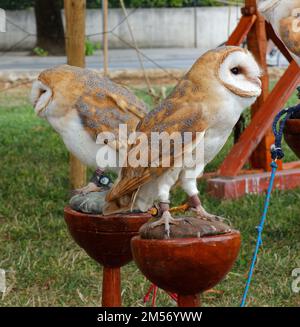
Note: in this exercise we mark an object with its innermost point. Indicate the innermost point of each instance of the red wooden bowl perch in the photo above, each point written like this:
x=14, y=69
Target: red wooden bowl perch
x=292, y=135
x=106, y=239
x=186, y=266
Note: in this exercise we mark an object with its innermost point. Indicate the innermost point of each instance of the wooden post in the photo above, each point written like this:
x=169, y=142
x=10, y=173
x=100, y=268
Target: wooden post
x=242, y=30
x=105, y=36
x=188, y=300
x=75, y=47
x=257, y=44
x=111, y=287
x=252, y=25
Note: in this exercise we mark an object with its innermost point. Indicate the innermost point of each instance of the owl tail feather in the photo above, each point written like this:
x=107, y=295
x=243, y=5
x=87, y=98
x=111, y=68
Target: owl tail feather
x=120, y=205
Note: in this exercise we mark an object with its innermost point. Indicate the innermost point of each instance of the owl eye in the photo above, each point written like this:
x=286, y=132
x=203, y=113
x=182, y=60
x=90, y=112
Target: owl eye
x=41, y=92
x=235, y=70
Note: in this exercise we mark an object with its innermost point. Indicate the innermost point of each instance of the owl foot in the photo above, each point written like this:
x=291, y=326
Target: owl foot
x=195, y=205
x=165, y=219
x=202, y=214
x=91, y=187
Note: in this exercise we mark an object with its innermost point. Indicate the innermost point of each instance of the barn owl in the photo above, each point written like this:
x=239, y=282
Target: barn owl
x=284, y=16
x=208, y=100
x=79, y=104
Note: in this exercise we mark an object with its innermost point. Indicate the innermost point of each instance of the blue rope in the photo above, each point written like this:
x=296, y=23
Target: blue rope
x=260, y=230
x=276, y=153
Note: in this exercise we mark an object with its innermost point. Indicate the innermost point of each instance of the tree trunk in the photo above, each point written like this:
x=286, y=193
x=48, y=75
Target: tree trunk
x=50, y=30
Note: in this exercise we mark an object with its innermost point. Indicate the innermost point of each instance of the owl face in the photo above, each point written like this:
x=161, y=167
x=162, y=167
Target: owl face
x=240, y=74
x=55, y=90
x=41, y=97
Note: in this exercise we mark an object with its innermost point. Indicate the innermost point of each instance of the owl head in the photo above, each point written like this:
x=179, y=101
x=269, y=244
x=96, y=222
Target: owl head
x=63, y=89
x=57, y=89
x=228, y=71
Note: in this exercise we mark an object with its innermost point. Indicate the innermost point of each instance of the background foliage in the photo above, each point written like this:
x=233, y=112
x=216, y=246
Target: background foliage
x=24, y=4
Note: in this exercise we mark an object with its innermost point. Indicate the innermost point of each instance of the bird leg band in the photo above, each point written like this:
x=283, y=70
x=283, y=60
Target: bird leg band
x=158, y=209
x=164, y=206
x=100, y=179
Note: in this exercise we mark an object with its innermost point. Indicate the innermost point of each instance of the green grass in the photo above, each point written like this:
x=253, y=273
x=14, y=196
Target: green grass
x=46, y=268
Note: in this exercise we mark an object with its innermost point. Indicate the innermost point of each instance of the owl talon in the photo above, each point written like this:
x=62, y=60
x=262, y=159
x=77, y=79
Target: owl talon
x=214, y=218
x=209, y=217
x=202, y=214
x=91, y=187
x=165, y=219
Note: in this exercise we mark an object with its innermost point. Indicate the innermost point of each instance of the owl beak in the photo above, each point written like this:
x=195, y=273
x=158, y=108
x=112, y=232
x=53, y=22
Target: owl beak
x=40, y=97
x=256, y=81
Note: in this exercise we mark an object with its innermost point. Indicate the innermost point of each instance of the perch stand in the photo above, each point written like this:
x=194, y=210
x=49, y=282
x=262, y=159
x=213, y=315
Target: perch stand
x=106, y=239
x=186, y=266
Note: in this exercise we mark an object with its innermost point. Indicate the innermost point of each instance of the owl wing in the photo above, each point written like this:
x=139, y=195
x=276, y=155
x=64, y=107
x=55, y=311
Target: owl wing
x=103, y=88
x=175, y=114
x=123, y=97
x=104, y=105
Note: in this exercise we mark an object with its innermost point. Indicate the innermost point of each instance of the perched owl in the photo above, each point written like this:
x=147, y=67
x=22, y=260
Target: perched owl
x=284, y=16
x=206, y=103
x=79, y=104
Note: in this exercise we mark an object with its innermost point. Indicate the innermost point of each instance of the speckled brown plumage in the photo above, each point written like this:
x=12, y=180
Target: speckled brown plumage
x=101, y=104
x=186, y=109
